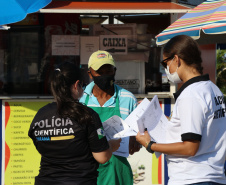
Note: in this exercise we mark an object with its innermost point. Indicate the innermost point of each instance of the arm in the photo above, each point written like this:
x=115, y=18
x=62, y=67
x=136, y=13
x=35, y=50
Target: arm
x=186, y=148
x=192, y=119
x=104, y=156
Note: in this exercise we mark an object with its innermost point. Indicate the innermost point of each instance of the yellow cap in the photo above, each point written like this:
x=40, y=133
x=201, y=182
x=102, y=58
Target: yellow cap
x=99, y=58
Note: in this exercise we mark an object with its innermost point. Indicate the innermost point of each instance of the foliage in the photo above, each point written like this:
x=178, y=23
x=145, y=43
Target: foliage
x=221, y=70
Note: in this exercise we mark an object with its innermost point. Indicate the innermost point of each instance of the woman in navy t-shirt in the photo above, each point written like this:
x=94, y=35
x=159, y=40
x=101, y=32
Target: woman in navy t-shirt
x=68, y=135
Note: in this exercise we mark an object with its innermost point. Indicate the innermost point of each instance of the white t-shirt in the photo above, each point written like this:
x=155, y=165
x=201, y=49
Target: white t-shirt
x=199, y=114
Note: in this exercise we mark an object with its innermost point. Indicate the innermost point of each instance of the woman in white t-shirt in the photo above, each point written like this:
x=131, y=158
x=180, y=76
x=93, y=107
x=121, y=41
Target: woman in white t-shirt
x=196, y=133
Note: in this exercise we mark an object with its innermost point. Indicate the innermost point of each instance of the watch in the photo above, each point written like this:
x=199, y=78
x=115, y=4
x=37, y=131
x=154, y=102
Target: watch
x=148, y=148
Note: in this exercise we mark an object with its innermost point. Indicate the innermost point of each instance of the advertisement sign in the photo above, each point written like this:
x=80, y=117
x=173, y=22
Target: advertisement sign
x=20, y=160
x=65, y=45
x=146, y=168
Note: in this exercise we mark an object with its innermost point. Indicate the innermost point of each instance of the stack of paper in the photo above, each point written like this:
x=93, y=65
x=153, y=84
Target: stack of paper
x=148, y=114
x=115, y=127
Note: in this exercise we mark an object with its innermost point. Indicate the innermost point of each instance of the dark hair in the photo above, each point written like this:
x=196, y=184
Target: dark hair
x=187, y=49
x=62, y=78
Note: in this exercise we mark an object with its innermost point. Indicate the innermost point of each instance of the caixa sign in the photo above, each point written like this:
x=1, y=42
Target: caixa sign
x=115, y=44
x=128, y=83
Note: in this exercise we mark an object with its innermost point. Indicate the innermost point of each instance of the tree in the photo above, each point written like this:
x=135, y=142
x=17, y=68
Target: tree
x=221, y=70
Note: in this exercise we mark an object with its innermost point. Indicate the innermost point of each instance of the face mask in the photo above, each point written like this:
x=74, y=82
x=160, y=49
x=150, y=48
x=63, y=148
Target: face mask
x=174, y=76
x=104, y=82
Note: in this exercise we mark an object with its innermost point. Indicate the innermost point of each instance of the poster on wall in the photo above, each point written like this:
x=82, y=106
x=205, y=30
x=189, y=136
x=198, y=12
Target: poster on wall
x=146, y=168
x=20, y=160
x=65, y=45
x=87, y=47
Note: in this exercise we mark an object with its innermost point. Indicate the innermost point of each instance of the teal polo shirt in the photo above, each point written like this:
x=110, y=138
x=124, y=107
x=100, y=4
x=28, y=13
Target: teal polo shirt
x=127, y=101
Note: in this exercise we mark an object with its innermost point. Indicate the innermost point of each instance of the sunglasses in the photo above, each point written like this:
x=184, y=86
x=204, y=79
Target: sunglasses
x=164, y=63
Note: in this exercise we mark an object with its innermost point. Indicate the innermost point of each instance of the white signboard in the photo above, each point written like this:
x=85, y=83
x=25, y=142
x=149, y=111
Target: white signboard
x=88, y=45
x=114, y=44
x=65, y=45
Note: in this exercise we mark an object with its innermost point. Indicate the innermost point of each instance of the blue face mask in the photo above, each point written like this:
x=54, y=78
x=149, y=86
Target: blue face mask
x=174, y=76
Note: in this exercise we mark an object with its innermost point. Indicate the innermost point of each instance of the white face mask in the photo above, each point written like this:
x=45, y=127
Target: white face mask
x=174, y=76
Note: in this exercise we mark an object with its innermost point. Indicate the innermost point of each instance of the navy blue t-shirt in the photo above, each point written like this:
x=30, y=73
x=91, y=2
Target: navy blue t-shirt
x=66, y=148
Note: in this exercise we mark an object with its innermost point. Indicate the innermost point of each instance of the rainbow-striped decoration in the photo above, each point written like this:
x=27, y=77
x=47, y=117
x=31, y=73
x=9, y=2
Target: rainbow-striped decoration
x=210, y=17
x=157, y=175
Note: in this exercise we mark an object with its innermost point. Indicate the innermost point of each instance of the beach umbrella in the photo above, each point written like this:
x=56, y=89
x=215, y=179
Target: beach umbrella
x=12, y=11
x=205, y=23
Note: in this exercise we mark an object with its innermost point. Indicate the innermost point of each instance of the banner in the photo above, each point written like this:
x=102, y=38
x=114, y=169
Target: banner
x=20, y=160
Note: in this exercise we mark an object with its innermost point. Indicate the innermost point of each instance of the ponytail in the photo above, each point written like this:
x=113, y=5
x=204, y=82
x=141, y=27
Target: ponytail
x=62, y=80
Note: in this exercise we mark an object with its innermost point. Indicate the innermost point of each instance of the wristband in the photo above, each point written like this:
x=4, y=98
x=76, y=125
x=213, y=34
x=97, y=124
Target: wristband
x=148, y=148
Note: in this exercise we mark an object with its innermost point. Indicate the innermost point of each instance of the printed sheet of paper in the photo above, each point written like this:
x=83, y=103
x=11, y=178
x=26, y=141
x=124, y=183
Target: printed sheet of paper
x=154, y=120
x=115, y=127
x=130, y=123
x=88, y=45
x=131, y=120
x=148, y=114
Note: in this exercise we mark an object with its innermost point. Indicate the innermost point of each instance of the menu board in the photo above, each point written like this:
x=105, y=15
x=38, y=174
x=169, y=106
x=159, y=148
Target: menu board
x=20, y=159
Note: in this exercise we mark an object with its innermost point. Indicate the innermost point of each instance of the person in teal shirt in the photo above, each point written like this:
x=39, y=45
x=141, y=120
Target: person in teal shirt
x=109, y=99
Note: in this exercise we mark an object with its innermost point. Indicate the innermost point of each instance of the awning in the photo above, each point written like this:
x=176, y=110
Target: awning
x=113, y=7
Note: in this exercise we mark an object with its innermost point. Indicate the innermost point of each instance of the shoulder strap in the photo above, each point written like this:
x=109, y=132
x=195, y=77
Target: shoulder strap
x=117, y=98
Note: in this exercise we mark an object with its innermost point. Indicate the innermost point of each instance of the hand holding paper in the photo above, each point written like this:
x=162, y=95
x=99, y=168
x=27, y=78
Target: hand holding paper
x=154, y=120
x=148, y=114
x=144, y=138
x=115, y=127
